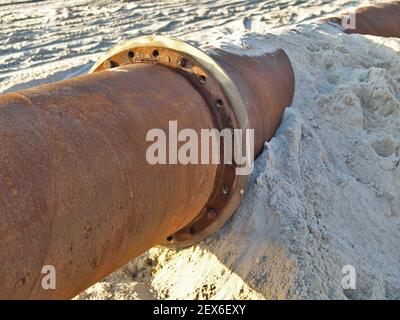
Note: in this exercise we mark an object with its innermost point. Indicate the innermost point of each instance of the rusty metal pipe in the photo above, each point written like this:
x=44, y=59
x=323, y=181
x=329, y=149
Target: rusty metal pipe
x=266, y=84
x=76, y=191
x=382, y=19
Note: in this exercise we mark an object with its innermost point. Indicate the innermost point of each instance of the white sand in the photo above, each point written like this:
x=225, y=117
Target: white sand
x=326, y=190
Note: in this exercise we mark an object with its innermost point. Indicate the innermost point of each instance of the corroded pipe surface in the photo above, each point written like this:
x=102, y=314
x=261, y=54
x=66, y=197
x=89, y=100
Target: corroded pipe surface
x=266, y=84
x=76, y=191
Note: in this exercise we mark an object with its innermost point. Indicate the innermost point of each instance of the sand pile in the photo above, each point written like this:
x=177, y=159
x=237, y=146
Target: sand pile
x=325, y=192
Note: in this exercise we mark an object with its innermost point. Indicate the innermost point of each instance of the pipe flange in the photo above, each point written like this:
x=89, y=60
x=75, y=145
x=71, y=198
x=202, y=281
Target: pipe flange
x=226, y=106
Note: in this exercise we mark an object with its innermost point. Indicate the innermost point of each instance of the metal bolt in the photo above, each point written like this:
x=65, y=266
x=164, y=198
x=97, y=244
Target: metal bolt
x=180, y=62
x=225, y=190
x=211, y=214
x=220, y=103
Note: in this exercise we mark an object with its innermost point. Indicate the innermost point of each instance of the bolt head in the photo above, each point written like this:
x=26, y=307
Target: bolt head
x=180, y=62
x=225, y=190
x=220, y=103
x=211, y=214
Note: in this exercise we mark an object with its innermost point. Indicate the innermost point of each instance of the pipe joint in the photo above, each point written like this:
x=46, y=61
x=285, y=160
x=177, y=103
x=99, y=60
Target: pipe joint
x=226, y=107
